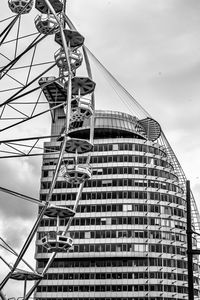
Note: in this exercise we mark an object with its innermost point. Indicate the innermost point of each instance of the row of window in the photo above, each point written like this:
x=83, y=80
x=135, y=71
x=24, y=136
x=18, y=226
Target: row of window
x=113, y=288
x=166, y=198
x=172, y=211
x=116, y=195
x=101, y=195
x=123, y=248
x=47, y=222
x=108, y=195
x=146, y=160
x=121, y=275
x=151, y=208
x=135, y=170
x=128, y=234
x=121, y=207
x=118, y=147
x=103, y=234
x=116, y=221
x=111, y=262
x=119, y=183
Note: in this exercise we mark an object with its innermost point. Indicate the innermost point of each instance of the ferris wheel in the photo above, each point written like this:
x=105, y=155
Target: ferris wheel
x=31, y=54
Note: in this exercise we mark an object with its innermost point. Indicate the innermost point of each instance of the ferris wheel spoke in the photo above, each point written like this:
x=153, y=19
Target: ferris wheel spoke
x=15, y=79
x=17, y=110
x=20, y=38
x=12, y=147
x=17, y=38
x=8, y=28
x=5, y=57
x=14, y=61
x=34, y=65
x=29, y=71
x=30, y=139
x=36, y=104
x=14, y=97
x=22, y=196
x=8, y=90
x=8, y=18
x=23, y=155
x=32, y=150
x=8, y=265
x=32, y=117
x=11, y=250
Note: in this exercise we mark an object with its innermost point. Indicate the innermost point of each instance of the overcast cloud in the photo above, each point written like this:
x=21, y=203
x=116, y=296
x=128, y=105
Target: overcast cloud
x=153, y=49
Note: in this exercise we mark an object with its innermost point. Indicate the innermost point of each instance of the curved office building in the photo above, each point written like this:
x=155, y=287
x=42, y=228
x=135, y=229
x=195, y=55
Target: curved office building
x=129, y=232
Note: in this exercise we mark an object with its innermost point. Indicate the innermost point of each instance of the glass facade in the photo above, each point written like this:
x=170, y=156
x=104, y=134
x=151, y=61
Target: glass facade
x=129, y=231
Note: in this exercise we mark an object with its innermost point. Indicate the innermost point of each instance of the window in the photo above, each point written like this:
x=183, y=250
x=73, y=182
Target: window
x=127, y=207
x=115, y=147
x=106, y=182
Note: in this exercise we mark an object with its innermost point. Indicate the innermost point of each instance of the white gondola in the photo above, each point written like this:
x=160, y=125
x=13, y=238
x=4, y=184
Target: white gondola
x=46, y=24
x=82, y=109
x=75, y=57
x=76, y=174
x=55, y=242
x=20, y=6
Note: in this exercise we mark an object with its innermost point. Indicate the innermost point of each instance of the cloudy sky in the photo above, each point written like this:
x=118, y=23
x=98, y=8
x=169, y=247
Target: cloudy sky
x=153, y=49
